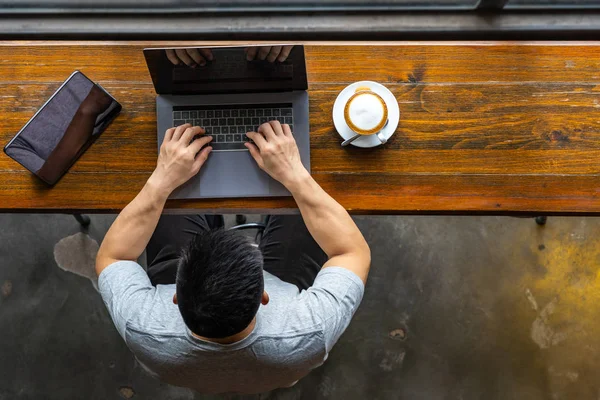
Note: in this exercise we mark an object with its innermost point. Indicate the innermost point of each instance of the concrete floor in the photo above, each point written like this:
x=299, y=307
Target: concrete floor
x=455, y=308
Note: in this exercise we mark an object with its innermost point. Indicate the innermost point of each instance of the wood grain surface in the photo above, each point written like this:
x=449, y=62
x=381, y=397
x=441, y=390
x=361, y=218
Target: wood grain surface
x=486, y=128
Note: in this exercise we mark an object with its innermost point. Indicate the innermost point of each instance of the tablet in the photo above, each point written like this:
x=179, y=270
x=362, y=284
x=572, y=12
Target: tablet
x=63, y=128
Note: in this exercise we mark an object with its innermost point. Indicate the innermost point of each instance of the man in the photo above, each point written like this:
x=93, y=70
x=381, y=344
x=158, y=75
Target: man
x=220, y=317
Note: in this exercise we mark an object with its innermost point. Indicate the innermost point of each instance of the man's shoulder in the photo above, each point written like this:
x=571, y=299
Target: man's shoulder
x=306, y=346
x=326, y=308
x=333, y=290
x=285, y=335
x=136, y=305
x=158, y=316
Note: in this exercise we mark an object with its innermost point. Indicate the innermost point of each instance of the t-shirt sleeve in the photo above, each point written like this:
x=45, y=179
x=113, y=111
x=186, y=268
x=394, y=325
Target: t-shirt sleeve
x=333, y=299
x=124, y=287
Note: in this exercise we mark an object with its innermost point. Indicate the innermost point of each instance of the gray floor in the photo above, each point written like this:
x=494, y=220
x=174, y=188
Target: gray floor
x=455, y=308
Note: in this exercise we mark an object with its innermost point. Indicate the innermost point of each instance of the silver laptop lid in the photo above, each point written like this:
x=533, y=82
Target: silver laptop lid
x=229, y=71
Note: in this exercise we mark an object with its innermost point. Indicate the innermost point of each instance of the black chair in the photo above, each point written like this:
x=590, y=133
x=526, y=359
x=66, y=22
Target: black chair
x=259, y=226
x=83, y=219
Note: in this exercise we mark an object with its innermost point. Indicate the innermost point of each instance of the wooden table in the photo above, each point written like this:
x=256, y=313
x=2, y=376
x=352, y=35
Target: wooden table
x=485, y=127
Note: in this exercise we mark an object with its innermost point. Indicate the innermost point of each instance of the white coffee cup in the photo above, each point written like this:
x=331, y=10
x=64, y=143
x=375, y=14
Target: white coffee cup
x=366, y=113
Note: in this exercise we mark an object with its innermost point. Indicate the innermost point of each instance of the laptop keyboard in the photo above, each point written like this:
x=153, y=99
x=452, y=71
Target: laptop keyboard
x=228, y=124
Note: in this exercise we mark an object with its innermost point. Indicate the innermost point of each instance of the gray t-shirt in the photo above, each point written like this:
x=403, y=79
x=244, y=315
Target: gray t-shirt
x=294, y=332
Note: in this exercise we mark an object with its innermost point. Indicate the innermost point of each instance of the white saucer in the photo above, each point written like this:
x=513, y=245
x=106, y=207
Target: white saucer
x=370, y=140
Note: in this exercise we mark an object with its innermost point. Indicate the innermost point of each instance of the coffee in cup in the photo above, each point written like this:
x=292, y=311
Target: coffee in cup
x=366, y=112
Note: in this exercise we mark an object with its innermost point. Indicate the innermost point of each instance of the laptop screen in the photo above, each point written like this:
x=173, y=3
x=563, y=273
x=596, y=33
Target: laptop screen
x=204, y=70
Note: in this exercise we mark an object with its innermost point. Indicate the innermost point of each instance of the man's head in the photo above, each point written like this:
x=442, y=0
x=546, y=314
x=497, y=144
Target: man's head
x=219, y=284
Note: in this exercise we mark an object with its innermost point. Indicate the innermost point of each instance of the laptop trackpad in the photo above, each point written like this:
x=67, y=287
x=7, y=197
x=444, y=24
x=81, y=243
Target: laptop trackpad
x=226, y=174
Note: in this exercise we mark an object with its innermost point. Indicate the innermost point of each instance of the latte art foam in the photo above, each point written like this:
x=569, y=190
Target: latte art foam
x=365, y=113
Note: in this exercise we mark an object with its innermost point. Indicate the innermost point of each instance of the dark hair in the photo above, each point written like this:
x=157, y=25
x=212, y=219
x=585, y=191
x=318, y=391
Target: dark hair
x=219, y=283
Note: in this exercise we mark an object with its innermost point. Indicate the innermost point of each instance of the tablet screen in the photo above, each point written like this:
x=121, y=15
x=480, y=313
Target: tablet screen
x=63, y=128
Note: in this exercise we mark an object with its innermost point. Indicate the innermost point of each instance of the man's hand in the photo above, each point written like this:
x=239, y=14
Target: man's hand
x=275, y=151
x=191, y=57
x=194, y=57
x=180, y=158
x=269, y=53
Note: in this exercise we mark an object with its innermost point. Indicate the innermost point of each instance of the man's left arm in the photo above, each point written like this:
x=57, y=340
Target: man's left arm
x=179, y=160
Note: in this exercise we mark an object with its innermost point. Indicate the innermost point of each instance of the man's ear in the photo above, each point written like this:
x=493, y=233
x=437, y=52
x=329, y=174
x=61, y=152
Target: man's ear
x=175, y=298
x=265, y=299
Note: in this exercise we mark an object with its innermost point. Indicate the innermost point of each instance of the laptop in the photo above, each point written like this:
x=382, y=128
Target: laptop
x=228, y=97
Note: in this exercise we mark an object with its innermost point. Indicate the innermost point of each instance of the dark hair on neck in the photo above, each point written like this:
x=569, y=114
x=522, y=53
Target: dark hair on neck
x=219, y=283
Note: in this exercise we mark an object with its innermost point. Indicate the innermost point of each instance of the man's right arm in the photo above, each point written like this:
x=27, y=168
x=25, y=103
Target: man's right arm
x=276, y=152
